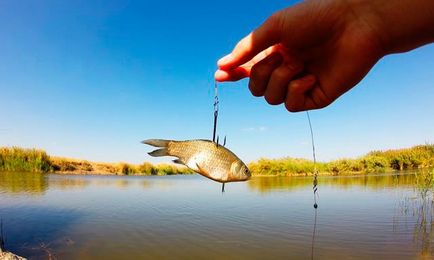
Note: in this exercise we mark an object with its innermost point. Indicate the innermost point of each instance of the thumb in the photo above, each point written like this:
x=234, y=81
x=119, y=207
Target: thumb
x=260, y=39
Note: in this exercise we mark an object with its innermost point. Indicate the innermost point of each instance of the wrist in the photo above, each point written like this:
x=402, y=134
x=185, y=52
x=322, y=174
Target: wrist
x=402, y=25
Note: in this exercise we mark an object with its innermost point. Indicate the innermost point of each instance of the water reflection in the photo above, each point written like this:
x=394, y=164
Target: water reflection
x=26, y=183
x=268, y=184
x=420, y=206
x=134, y=217
x=415, y=211
x=146, y=184
x=38, y=231
x=122, y=183
x=68, y=183
x=23, y=183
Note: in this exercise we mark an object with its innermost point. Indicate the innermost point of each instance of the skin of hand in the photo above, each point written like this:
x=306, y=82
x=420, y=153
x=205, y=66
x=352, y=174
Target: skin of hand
x=308, y=55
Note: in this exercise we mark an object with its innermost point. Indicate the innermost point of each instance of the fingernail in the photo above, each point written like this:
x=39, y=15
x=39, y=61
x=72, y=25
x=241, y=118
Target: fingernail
x=224, y=60
x=220, y=75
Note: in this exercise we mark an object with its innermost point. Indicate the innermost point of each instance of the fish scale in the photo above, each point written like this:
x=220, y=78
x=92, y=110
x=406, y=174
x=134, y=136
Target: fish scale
x=204, y=157
x=215, y=161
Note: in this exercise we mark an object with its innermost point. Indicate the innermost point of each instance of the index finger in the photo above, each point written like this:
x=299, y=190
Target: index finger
x=263, y=37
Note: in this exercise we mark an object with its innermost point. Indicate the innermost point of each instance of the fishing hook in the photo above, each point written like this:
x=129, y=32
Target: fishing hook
x=216, y=111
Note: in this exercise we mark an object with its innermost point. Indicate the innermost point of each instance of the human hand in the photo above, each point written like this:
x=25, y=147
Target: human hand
x=308, y=55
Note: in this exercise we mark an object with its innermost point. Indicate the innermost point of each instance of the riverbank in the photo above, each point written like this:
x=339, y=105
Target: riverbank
x=5, y=255
x=10, y=256
x=417, y=157
x=16, y=159
x=34, y=160
x=73, y=166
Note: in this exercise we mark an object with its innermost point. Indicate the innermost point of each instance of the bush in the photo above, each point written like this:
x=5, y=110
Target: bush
x=146, y=169
x=285, y=167
x=70, y=165
x=421, y=156
x=127, y=169
x=32, y=160
x=374, y=163
x=345, y=166
x=19, y=159
x=166, y=169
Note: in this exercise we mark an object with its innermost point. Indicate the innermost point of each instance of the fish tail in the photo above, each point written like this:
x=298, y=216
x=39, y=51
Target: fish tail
x=159, y=152
x=164, y=144
x=157, y=142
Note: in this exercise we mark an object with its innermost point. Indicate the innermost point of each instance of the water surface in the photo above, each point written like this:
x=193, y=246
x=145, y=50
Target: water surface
x=187, y=217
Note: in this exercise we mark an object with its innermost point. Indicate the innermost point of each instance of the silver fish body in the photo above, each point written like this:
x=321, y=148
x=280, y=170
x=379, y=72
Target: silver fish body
x=204, y=157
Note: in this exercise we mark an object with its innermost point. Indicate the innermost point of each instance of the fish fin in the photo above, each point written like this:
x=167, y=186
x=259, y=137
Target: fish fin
x=159, y=152
x=224, y=141
x=157, y=142
x=202, y=170
x=179, y=161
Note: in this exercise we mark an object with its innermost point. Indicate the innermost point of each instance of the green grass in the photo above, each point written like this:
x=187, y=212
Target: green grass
x=32, y=160
x=150, y=169
x=417, y=157
x=28, y=160
x=15, y=159
x=285, y=167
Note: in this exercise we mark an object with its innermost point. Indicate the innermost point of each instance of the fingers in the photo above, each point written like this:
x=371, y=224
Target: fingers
x=271, y=76
x=316, y=98
x=298, y=90
x=261, y=72
x=263, y=37
x=306, y=94
x=233, y=75
x=277, y=87
x=244, y=70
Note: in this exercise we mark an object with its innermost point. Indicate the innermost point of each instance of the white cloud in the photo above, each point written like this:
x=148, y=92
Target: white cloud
x=255, y=129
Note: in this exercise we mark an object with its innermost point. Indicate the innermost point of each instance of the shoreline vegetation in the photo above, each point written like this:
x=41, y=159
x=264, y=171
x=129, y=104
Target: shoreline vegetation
x=15, y=159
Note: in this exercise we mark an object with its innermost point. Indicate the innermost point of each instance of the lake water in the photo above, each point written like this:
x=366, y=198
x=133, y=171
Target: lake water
x=187, y=217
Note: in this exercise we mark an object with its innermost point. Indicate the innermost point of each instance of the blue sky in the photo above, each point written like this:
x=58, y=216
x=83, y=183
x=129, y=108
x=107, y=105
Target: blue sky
x=91, y=79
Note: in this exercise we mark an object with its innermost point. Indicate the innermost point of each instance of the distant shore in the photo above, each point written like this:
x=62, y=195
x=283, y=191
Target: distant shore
x=34, y=160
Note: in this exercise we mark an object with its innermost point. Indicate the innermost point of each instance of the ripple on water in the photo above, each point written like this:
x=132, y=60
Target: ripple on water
x=100, y=217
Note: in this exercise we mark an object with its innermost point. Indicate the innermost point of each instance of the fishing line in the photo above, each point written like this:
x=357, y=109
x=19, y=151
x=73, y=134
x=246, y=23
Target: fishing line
x=216, y=114
x=315, y=171
x=313, y=236
x=315, y=184
x=216, y=110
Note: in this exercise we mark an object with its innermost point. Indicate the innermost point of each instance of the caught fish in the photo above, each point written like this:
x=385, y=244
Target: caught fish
x=204, y=157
